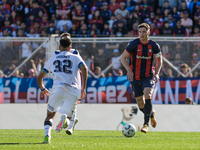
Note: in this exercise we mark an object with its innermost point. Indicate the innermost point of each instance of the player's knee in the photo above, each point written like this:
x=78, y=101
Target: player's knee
x=147, y=96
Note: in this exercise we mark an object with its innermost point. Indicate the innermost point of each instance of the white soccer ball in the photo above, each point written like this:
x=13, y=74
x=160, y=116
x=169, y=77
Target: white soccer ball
x=129, y=130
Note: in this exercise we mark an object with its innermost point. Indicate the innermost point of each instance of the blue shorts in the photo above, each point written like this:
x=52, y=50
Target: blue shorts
x=139, y=85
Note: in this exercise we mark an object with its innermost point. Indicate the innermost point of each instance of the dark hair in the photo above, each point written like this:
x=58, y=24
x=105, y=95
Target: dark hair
x=65, y=40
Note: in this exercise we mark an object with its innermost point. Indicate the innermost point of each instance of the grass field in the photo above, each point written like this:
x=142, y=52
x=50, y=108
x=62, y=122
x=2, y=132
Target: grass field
x=89, y=140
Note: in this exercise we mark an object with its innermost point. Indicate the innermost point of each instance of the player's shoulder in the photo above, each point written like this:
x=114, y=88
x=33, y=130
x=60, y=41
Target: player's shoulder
x=74, y=51
x=153, y=42
x=133, y=42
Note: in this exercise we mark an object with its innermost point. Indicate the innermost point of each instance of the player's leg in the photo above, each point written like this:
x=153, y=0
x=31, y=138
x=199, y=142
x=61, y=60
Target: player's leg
x=55, y=100
x=140, y=102
x=69, y=107
x=48, y=125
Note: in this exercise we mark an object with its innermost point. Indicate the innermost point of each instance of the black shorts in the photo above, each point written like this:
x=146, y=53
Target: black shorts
x=139, y=85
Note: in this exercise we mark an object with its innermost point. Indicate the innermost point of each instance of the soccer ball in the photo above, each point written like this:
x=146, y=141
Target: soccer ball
x=129, y=130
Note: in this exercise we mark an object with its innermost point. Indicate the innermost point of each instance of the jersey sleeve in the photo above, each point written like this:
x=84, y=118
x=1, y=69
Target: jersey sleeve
x=130, y=47
x=47, y=66
x=80, y=61
x=157, y=50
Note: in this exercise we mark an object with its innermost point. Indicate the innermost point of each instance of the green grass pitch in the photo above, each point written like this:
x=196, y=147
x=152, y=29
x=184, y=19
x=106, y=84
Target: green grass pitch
x=98, y=140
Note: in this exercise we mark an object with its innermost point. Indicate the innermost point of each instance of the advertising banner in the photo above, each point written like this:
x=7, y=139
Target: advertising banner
x=103, y=90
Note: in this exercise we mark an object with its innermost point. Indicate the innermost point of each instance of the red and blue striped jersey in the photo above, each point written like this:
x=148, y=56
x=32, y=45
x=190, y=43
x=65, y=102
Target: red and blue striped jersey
x=142, y=57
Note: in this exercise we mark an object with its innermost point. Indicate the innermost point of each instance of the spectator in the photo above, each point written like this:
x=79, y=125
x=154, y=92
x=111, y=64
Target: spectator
x=23, y=27
x=175, y=13
x=165, y=14
x=44, y=23
x=46, y=5
x=30, y=21
x=166, y=6
x=166, y=29
x=43, y=33
x=32, y=33
x=83, y=32
x=78, y=15
x=86, y=7
x=105, y=13
x=194, y=60
x=169, y=73
x=171, y=20
x=40, y=15
x=153, y=30
x=97, y=19
x=119, y=19
x=193, y=5
x=197, y=15
x=51, y=28
x=16, y=25
x=134, y=18
x=8, y=27
x=116, y=64
x=36, y=25
x=180, y=30
x=37, y=8
x=130, y=5
x=113, y=6
x=184, y=7
x=121, y=29
x=53, y=7
x=187, y=22
x=18, y=8
x=158, y=22
x=74, y=30
x=25, y=51
x=94, y=28
x=97, y=71
x=185, y=69
x=53, y=18
x=189, y=101
x=63, y=9
x=177, y=61
x=98, y=4
x=3, y=10
x=196, y=43
x=180, y=50
x=172, y=3
x=111, y=21
x=89, y=61
x=100, y=59
x=6, y=5
x=134, y=31
x=106, y=31
x=151, y=18
x=123, y=11
x=64, y=21
x=93, y=9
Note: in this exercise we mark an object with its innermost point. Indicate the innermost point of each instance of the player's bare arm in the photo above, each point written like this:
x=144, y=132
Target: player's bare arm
x=158, y=68
x=44, y=91
x=84, y=74
x=125, y=63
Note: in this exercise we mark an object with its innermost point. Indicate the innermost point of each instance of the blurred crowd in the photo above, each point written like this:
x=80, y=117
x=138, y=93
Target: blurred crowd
x=98, y=18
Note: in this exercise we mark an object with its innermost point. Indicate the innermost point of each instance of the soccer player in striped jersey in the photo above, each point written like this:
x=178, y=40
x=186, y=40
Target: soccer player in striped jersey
x=141, y=73
x=67, y=88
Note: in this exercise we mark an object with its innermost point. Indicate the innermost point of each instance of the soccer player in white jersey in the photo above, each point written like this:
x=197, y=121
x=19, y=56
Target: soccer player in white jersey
x=64, y=122
x=67, y=87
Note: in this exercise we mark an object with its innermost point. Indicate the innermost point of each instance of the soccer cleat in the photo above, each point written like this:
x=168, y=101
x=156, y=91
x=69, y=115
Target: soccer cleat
x=61, y=124
x=153, y=119
x=69, y=131
x=145, y=128
x=66, y=124
x=46, y=139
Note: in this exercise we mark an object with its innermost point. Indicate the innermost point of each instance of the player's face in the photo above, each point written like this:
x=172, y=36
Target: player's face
x=143, y=33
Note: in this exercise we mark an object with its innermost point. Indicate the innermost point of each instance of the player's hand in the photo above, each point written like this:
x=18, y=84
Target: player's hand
x=130, y=75
x=45, y=92
x=83, y=94
x=156, y=78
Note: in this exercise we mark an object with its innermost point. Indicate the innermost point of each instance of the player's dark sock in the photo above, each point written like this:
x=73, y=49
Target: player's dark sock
x=151, y=116
x=147, y=110
x=142, y=109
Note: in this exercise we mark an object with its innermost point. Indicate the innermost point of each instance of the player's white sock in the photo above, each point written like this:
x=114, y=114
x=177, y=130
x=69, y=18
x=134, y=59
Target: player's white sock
x=47, y=130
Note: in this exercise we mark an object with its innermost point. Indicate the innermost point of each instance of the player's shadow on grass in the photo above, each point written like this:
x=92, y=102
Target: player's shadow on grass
x=18, y=143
